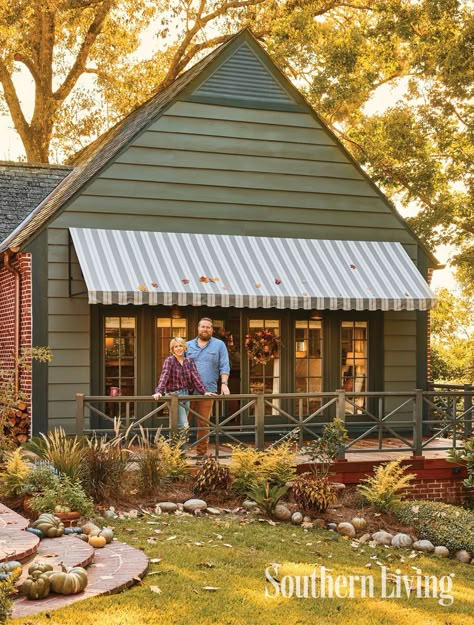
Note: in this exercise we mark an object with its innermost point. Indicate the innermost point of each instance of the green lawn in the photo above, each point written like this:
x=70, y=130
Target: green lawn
x=233, y=556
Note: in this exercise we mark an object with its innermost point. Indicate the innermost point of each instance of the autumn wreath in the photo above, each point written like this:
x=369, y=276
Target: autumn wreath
x=262, y=346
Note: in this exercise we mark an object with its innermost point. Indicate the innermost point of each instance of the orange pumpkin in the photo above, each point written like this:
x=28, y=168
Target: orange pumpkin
x=97, y=541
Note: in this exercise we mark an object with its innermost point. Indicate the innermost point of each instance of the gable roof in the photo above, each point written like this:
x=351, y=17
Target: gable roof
x=192, y=85
x=22, y=187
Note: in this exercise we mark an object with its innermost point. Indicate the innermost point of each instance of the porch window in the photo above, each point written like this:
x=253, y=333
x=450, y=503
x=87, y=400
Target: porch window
x=166, y=329
x=120, y=355
x=354, y=360
x=264, y=378
x=308, y=360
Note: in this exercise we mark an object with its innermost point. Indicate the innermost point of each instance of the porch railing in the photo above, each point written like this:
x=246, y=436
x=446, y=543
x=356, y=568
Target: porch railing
x=378, y=421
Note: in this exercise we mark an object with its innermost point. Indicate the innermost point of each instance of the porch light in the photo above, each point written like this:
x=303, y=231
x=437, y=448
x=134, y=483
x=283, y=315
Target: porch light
x=316, y=314
x=109, y=342
x=175, y=312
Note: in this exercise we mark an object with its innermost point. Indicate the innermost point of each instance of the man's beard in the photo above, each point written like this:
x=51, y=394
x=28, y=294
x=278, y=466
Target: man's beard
x=204, y=337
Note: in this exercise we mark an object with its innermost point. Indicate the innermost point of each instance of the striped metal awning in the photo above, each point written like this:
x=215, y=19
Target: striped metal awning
x=134, y=267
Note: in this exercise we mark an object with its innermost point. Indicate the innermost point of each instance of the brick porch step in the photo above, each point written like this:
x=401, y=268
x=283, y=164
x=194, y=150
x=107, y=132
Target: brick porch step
x=116, y=567
x=8, y=518
x=16, y=544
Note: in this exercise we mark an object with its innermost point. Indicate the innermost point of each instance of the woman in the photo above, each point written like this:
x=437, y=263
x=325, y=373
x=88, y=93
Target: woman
x=179, y=375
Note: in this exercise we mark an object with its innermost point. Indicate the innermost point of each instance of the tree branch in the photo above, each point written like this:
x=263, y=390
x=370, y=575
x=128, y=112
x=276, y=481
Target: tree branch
x=14, y=105
x=29, y=64
x=79, y=64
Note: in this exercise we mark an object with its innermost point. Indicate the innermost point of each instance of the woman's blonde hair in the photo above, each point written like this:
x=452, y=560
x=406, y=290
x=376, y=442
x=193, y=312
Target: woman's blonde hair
x=178, y=340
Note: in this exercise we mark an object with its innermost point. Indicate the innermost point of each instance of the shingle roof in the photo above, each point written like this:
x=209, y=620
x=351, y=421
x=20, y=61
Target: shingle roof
x=22, y=187
x=97, y=155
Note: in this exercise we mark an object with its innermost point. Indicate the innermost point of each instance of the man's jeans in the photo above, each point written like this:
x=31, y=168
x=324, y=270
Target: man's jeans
x=183, y=408
x=204, y=409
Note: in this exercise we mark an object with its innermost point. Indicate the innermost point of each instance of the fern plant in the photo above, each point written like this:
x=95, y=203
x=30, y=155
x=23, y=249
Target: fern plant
x=12, y=479
x=384, y=489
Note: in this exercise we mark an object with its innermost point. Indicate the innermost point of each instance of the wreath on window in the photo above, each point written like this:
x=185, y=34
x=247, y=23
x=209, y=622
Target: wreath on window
x=262, y=346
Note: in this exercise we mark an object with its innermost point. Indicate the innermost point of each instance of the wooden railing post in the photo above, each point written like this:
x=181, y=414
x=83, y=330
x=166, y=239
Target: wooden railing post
x=260, y=422
x=80, y=413
x=174, y=408
x=341, y=414
x=418, y=423
x=467, y=411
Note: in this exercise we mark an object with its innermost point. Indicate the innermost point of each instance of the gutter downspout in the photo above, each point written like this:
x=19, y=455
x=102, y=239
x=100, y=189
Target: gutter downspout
x=16, y=324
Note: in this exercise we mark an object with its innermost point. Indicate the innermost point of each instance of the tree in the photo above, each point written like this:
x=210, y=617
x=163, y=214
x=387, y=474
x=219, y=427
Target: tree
x=452, y=337
x=340, y=52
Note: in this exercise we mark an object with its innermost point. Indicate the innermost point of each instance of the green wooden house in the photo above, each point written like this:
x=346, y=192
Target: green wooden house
x=224, y=195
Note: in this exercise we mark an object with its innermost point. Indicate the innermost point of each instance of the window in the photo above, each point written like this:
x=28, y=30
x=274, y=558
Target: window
x=166, y=329
x=308, y=360
x=120, y=359
x=264, y=378
x=354, y=360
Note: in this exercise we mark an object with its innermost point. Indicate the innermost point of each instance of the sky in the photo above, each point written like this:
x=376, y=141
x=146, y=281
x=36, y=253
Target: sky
x=11, y=148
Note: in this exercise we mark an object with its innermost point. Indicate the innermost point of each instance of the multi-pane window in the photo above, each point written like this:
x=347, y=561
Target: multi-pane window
x=119, y=358
x=264, y=378
x=166, y=329
x=308, y=360
x=354, y=360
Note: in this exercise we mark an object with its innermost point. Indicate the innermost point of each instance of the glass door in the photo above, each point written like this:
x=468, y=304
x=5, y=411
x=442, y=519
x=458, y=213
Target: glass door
x=266, y=377
x=119, y=361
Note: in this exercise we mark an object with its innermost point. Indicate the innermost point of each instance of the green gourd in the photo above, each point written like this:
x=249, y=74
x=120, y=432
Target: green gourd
x=35, y=531
x=36, y=586
x=50, y=525
x=68, y=581
x=42, y=567
x=108, y=534
x=11, y=568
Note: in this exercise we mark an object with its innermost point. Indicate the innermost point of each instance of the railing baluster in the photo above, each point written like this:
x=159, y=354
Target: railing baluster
x=301, y=419
x=467, y=411
x=80, y=413
x=260, y=422
x=341, y=414
x=127, y=415
x=217, y=405
x=418, y=423
x=380, y=416
x=174, y=408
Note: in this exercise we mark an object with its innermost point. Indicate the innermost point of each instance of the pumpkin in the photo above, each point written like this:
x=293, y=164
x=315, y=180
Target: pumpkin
x=108, y=534
x=62, y=509
x=402, y=541
x=97, y=541
x=36, y=586
x=359, y=523
x=83, y=537
x=11, y=568
x=50, y=525
x=35, y=531
x=42, y=567
x=4, y=576
x=68, y=581
x=91, y=529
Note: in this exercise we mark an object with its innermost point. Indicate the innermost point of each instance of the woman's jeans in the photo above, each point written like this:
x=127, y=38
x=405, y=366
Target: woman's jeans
x=183, y=408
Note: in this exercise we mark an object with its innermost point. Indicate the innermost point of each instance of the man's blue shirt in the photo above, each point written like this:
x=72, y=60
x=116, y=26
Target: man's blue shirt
x=212, y=360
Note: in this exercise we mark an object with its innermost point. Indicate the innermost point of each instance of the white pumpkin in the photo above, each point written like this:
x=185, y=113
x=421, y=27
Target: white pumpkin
x=359, y=523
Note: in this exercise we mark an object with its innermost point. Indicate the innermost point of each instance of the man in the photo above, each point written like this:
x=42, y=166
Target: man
x=212, y=360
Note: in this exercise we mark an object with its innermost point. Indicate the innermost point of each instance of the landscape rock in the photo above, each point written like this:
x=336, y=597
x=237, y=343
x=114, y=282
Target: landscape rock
x=307, y=519
x=463, y=556
x=364, y=538
x=282, y=513
x=346, y=529
x=332, y=526
x=307, y=525
x=180, y=506
x=402, y=541
x=382, y=538
x=194, y=504
x=248, y=504
x=167, y=506
x=442, y=552
x=132, y=514
x=424, y=545
x=319, y=523
x=297, y=518
x=213, y=511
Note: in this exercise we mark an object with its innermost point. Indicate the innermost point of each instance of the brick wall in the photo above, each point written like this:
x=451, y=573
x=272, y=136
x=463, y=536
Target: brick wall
x=21, y=262
x=449, y=490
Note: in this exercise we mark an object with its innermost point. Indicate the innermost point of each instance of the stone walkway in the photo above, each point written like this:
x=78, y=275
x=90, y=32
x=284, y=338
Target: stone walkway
x=110, y=570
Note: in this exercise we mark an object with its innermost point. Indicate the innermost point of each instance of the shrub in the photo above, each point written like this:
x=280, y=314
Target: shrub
x=313, y=493
x=63, y=492
x=250, y=467
x=211, y=476
x=105, y=464
x=268, y=495
x=42, y=475
x=441, y=523
x=323, y=451
x=465, y=456
x=382, y=490
x=66, y=453
x=6, y=600
x=12, y=480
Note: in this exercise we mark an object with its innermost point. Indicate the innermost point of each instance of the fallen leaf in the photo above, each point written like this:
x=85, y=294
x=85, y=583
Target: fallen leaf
x=207, y=565
x=277, y=281
x=154, y=285
x=211, y=588
x=155, y=560
x=227, y=545
x=185, y=281
x=143, y=288
x=156, y=589
x=172, y=538
x=257, y=285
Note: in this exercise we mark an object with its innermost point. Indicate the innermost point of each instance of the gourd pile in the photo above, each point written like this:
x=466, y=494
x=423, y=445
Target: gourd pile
x=49, y=526
x=42, y=580
x=95, y=536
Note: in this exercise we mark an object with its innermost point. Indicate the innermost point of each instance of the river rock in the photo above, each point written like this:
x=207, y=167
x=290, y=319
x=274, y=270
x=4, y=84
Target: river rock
x=213, y=511
x=364, y=539
x=297, y=518
x=282, y=513
x=424, y=545
x=332, y=526
x=442, y=552
x=463, y=556
x=132, y=514
x=319, y=523
x=248, y=504
x=346, y=529
x=402, y=541
x=194, y=504
x=382, y=538
x=168, y=506
x=307, y=519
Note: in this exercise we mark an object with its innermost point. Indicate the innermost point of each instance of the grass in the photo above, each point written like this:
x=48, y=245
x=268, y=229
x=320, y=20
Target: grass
x=232, y=556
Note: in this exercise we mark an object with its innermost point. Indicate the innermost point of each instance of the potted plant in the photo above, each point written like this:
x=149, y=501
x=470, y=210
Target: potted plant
x=42, y=476
x=66, y=499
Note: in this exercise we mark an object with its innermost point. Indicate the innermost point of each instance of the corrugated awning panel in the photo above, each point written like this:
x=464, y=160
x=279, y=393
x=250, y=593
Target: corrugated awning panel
x=135, y=267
